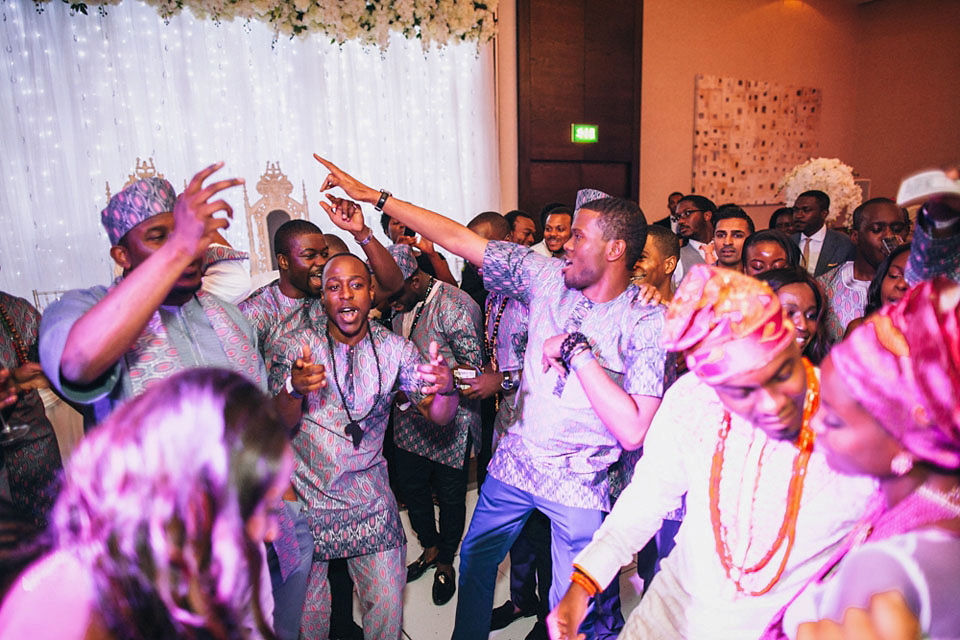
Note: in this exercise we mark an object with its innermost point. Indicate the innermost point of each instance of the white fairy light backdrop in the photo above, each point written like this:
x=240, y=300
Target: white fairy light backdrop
x=85, y=96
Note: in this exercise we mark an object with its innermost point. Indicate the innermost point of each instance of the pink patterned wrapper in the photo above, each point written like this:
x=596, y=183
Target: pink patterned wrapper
x=728, y=323
x=903, y=366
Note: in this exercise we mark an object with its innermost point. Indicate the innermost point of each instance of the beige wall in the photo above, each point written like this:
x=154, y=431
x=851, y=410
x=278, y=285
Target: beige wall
x=785, y=41
x=908, y=89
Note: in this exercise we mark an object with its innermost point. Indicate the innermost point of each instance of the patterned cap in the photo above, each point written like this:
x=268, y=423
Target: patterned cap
x=403, y=255
x=727, y=322
x=903, y=366
x=588, y=195
x=141, y=200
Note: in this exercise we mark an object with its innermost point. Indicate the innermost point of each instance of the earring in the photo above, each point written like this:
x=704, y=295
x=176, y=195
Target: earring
x=901, y=464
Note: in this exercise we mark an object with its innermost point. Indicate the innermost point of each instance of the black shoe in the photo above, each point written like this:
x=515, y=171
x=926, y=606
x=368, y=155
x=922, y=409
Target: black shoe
x=505, y=614
x=444, y=586
x=419, y=567
x=539, y=631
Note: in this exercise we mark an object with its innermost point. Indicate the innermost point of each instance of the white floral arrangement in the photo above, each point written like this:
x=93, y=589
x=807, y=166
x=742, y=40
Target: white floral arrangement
x=830, y=176
x=433, y=22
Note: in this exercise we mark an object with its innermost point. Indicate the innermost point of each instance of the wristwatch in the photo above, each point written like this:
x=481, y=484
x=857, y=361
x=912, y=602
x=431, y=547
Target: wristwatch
x=384, y=194
x=511, y=379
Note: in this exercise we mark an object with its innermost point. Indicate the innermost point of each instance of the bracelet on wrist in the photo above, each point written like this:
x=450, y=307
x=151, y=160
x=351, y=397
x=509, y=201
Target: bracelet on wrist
x=384, y=194
x=366, y=240
x=288, y=385
x=580, y=358
x=583, y=579
x=573, y=343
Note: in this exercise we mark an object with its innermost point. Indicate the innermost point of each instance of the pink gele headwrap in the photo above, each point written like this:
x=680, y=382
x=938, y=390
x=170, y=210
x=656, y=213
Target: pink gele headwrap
x=903, y=366
x=728, y=323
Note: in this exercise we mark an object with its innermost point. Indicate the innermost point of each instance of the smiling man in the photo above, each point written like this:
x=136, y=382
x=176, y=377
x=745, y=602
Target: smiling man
x=602, y=401
x=340, y=475
x=762, y=507
x=102, y=345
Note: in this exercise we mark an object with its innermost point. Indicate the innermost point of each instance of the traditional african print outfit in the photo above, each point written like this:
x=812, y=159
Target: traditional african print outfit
x=27, y=466
x=555, y=457
x=203, y=332
x=350, y=506
x=692, y=597
x=846, y=296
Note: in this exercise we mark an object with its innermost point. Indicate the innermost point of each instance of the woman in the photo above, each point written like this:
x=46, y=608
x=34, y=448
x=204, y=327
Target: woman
x=159, y=526
x=888, y=285
x=769, y=249
x=804, y=303
x=888, y=409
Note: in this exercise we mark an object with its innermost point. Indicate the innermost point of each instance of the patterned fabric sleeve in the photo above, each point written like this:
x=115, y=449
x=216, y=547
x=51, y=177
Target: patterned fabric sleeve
x=284, y=355
x=645, y=358
x=463, y=325
x=408, y=380
x=514, y=270
x=930, y=257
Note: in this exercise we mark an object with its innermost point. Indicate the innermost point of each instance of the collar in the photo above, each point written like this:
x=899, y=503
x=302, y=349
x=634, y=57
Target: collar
x=817, y=237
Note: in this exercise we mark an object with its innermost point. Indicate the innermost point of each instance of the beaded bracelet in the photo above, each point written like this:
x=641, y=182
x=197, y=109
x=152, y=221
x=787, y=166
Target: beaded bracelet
x=570, y=345
x=366, y=240
x=583, y=579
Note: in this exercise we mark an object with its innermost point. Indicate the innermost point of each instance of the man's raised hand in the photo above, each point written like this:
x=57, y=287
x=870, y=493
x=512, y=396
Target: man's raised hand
x=436, y=374
x=306, y=376
x=344, y=213
x=193, y=215
x=340, y=178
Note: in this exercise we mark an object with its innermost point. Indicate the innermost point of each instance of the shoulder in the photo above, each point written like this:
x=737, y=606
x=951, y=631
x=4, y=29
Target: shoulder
x=828, y=278
x=837, y=237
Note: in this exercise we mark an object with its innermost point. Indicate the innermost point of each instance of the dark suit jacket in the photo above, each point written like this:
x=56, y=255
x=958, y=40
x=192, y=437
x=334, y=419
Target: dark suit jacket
x=837, y=249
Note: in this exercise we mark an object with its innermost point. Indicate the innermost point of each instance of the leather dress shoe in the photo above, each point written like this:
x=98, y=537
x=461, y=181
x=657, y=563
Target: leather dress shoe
x=419, y=567
x=444, y=586
x=505, y=614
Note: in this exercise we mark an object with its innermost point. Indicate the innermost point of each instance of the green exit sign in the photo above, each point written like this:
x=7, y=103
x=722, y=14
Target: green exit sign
x=584, y=133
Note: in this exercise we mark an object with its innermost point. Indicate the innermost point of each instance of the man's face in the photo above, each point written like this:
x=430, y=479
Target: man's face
x=143, y=240
x=347, y=296
x=851, y=439
x=303, y=268
x=728, y=240
x=395, y=229
x=881, y=220
x=672, y=202
x=556, y=231
x=524, y=231
x=692, y=222
x=585, y=251
x=408, y=297
x=808, y=215
x=764, y=256
x=650, y=268
x=770, y=398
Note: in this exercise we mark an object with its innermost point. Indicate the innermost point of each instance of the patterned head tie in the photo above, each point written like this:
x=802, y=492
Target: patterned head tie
x=903, y=366
x=586, y=196
x=728, y=323
x=403, y=255
x=141, y=200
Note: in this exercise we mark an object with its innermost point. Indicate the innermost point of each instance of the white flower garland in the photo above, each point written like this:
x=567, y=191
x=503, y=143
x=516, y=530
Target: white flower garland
x=433, y=22
x=830, y=176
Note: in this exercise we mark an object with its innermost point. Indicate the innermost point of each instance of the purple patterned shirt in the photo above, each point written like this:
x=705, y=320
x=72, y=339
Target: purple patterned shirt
x=846, y=296
x=272, y=315
x=451, y=319
x=559, y=449
x=350, y=506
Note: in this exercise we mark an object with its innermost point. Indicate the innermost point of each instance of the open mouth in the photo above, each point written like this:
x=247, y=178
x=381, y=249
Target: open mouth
x=348, y=315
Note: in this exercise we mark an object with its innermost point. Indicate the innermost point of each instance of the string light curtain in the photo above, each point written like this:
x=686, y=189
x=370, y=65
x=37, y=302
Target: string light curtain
x=85, y=96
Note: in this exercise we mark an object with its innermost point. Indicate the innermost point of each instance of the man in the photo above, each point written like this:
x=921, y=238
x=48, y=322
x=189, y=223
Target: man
x=731, y=226
x=672, y=200
x=875, y=222
x=763, y=509
x=340, y=474
x=557, y=460
x=102, y=345
x=658, y=261
x=782, y=220
x=427, y=256
x=556, y=231
x=822, y=249
x=432, y=459
x=694, y=220
x=523, y=228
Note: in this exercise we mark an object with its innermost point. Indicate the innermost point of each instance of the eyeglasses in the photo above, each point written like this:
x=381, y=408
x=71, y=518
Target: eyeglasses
x=683, y=215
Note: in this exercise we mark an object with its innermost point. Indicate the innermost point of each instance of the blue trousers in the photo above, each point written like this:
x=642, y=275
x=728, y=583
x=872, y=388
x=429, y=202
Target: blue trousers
x=501, y=512
x=289, y=594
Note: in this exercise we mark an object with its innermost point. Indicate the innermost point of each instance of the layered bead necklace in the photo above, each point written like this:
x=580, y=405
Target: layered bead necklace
x=19, y=346
x=788, y=527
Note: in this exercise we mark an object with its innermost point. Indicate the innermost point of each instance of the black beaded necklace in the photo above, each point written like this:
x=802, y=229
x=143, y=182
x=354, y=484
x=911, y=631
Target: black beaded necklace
x=353, y=428
x=423, y=305
x=491, y=341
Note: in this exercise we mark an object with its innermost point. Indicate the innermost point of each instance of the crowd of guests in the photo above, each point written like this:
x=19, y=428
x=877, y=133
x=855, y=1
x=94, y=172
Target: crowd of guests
x=766, y=421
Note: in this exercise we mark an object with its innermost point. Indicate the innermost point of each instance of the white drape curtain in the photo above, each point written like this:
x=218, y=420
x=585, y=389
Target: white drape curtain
x=84, y=96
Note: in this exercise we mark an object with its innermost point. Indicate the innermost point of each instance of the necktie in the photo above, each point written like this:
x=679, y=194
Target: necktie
x=806, y=255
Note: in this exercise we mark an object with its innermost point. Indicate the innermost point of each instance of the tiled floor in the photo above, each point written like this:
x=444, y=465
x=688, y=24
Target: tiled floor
x=422, y=620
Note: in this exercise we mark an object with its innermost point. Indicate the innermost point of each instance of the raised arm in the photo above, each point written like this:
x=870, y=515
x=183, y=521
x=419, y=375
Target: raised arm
x=103, y=334
x=439, y=229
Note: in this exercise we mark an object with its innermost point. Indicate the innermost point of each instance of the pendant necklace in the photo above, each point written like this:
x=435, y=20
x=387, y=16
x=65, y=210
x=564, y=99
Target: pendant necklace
x=353, y=428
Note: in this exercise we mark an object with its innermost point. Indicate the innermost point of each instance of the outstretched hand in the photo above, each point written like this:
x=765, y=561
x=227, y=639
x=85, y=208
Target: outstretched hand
x=647, y=295
x=346, y=214
x=565, y=619
x=30, y=376
x=306, y=376
x=195, y=226
x=8, y=388
x=436, y=373
x=551, y=354
x=353, y=187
